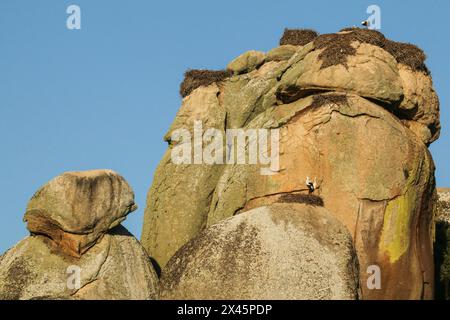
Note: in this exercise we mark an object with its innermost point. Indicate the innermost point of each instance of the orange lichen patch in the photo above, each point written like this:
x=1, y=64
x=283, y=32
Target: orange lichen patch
x=64, y=242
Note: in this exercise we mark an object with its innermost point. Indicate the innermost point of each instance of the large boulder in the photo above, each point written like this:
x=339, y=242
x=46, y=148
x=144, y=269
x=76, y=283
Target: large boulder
x=115, y=268
x=77, y=248
x=371, y=72
x=282, y=251
x=281, y=53
x=247, y=62
x=76, y=208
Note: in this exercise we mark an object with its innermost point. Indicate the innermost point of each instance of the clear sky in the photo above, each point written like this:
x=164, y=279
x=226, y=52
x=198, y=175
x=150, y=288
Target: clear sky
x=104, y=96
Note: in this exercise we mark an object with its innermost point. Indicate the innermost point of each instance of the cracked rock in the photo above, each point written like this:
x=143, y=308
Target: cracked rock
x=355, y=110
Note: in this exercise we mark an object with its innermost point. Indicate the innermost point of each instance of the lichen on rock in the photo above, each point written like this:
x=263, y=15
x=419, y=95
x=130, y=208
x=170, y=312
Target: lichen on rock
x=354, y=109
x=77, y=248
x=283, y=251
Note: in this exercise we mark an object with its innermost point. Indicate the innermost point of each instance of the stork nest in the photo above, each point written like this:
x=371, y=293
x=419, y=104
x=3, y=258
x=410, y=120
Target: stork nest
x=309, y=199
x=337, y=47
x=197, y=78
x=298, y=37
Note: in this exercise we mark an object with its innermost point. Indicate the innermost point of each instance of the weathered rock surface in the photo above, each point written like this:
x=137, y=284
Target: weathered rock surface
x=420, y=104
x=371, y=72
x=367, y=64
x=247, y=62
x=356, y=111
x=442, y=245
x=77, y=248
x=115, y=268
x=382, y=192
x=281, y=53
x=282, y=251
x=178, y=201
x=76, y=208
x=181, y=203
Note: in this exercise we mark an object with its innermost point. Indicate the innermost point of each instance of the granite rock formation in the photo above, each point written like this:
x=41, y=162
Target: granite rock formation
x=352, y=197
x=77, y=248
x=355, y=110
x=282, y=251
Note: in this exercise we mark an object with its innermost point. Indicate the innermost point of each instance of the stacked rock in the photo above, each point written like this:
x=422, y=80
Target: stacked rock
x=77, y=248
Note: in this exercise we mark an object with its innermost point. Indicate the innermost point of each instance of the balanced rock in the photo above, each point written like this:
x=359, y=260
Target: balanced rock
x=117, y=267
x=76, y=208
x=77, y=248
x=282, y=251
x=371, y=72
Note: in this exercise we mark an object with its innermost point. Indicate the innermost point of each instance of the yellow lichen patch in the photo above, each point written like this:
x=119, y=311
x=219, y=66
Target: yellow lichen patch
x=395, y=237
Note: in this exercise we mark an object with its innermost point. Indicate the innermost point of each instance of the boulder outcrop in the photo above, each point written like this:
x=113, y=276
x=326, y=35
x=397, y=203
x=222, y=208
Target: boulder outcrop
x=281, y=251
x=349, y=210
x=382, y=192
x=354, y=110
x=75, y=209
x=77, y=248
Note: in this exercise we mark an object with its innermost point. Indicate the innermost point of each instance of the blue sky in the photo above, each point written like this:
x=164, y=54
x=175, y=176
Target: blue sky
x=104, y=96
